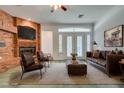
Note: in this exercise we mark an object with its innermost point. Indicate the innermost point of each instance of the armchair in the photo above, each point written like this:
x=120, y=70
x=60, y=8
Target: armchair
x=28, y=64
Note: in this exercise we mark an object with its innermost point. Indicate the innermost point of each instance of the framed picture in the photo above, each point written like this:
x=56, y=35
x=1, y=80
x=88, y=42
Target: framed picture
x=114, y=37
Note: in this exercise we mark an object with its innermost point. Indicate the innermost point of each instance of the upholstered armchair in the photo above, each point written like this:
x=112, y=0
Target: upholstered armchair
x=28, y=64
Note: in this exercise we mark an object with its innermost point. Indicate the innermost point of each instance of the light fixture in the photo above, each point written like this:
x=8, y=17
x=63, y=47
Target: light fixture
x=94, y=43
x=95, y=46
x=55, y=7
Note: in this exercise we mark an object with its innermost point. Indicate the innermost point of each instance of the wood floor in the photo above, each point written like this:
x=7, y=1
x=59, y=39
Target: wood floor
x=6, y=77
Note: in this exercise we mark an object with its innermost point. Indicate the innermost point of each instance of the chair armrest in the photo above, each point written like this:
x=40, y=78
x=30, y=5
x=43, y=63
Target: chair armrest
x=112, y=63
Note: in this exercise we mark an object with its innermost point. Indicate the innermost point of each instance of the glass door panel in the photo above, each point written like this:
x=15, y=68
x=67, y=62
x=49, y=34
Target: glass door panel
x=79, y=46
x=69, y=46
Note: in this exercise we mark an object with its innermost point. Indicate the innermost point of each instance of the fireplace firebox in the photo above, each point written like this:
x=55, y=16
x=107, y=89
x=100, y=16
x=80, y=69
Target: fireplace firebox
x=27, y=49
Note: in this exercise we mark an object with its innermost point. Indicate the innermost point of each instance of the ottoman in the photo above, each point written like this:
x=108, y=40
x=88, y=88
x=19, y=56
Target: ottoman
x=76, y=69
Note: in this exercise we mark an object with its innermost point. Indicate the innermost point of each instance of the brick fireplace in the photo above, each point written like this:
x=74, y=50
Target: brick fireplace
x=11, y=45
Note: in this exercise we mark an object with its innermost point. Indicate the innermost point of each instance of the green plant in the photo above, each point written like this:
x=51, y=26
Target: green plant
x=73, y=56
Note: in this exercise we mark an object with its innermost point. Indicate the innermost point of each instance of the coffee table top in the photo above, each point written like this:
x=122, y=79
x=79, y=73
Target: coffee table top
x=76, y=62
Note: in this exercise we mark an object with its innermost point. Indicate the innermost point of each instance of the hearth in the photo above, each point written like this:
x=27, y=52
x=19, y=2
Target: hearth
x=27, y=49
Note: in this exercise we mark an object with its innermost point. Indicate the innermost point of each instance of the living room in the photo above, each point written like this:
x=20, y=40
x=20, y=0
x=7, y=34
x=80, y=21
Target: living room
x=70, y=45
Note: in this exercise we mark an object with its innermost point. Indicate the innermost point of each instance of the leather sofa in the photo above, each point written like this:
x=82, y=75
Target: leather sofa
x=109, y=62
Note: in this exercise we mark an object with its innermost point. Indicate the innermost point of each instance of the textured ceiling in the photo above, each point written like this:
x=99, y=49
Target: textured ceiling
x=42, y=14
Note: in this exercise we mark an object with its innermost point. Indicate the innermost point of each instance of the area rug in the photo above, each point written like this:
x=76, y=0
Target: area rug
x=57, y=74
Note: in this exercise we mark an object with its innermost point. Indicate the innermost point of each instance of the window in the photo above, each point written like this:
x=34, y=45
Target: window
x=47, y=41
x=79, y=46
x=60, y=43
x=72, y=29
x=88, y=42
x=69, y=46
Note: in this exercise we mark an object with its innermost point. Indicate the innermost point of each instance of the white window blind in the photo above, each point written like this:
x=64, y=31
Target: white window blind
x=60, y=43
x=79, y=46
x=69, y=46
x=88, y=42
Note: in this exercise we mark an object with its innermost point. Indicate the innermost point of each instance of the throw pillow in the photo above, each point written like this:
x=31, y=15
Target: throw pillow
x=28, y=59
x=103, y=54
x=96, y=54
x=120, y=52
x=112, y=52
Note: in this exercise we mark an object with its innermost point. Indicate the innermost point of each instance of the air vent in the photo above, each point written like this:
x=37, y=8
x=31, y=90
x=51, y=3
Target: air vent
x=80, y=15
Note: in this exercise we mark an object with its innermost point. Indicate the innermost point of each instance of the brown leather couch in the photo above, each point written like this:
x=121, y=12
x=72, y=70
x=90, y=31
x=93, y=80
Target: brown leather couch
x=109, y=62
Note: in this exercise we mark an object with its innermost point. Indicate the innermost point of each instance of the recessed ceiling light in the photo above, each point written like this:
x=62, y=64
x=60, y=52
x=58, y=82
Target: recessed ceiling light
x=80, y=15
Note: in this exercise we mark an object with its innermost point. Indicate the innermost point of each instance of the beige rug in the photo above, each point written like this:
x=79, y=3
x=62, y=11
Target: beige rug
x=57, y=74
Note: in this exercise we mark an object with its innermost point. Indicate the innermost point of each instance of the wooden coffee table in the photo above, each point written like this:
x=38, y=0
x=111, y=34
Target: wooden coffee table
x=79, y=68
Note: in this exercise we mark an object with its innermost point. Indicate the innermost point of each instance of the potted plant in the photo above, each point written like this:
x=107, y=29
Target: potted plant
x=73, y=56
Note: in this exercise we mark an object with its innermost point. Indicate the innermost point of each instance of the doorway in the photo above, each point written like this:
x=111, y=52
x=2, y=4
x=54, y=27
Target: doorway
x=75, y=44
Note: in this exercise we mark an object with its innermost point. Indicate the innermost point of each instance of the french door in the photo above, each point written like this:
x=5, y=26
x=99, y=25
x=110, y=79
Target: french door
x=75, y=44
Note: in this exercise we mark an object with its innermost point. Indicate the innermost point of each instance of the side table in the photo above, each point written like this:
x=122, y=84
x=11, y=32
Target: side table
x=122, y=69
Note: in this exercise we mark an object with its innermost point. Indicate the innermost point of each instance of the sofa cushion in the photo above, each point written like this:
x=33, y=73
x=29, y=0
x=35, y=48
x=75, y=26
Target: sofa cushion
x=93, y=59
x=89, y=58
x=101, y=62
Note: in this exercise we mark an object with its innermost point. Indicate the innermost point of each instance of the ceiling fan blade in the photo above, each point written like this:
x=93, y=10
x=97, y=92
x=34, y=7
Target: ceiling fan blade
x=63, y=8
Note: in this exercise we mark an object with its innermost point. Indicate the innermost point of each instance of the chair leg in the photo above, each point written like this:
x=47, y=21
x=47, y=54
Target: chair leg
x=22, y=75
x=45, y=67
x=48, y=63
x=40, y=73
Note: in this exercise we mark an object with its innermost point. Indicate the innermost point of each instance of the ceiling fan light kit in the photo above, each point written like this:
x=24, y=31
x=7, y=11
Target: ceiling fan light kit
x=64, y=8
x=55, y=7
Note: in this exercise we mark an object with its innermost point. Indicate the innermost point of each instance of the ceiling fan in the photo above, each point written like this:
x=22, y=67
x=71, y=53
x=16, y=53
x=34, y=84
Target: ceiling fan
x=55, y=7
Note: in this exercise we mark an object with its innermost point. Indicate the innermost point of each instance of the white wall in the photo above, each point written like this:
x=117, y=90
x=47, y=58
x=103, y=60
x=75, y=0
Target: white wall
x=54, y=28
x=112, y=19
